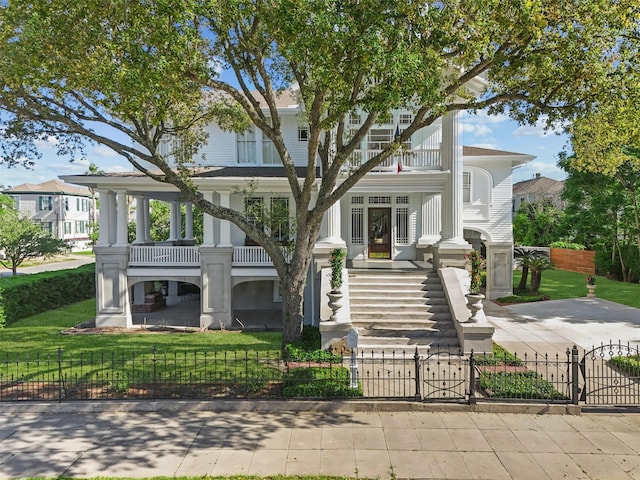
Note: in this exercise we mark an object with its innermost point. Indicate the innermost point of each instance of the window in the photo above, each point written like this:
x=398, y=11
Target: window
x=45, y=203
x=66, y=203
x=47, y=227
x=405, y=119
x=303, y=134
x=357, y=226
x=402, y=225
x=68, y=228
x=466, y=187
x=246, y=145
x=254, y=211
x=379, y=138
x=77, y=204
x=354, y=119
x=279, y=219
x=269, y=153
x=81, y=226
x=16, y=201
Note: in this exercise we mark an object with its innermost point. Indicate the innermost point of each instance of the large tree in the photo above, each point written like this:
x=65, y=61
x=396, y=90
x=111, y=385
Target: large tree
x=21, y=239
x=114, y=72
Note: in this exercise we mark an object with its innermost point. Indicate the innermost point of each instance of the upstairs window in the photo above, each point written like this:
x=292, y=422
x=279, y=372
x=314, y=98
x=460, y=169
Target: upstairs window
x=279, y=219
x=303, y=134
x=45, y=203
x=246, y=146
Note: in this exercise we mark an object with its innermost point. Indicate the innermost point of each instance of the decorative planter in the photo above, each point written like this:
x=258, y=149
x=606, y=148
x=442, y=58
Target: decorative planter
x=474, y=304
x=335, y=299
x=591, y=291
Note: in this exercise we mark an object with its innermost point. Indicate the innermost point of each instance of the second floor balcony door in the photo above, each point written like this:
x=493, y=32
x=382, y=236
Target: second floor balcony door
x=379, y=233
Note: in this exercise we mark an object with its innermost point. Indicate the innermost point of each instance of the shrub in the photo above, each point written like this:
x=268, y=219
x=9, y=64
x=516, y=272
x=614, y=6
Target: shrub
x=319, y=382
x=522, y=298
x=307, y=349
x=26, y=295
x=522, y=384
x=498, y=356
x=568, y=245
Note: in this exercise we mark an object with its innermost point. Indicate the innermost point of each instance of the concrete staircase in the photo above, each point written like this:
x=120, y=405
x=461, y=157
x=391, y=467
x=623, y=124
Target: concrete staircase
x=398, y=310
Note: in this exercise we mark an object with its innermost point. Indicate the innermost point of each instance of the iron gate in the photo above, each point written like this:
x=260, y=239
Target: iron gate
x=609, y=375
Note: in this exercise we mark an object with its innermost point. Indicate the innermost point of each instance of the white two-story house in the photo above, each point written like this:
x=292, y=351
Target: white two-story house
x=64, y=210
x=432, y=202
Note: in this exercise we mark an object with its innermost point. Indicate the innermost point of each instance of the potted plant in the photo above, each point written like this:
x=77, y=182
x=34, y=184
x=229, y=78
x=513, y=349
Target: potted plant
x=474, y=297
x=336, y=263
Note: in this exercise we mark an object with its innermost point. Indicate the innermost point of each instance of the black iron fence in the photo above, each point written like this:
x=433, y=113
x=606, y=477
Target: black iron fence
x=609, y=374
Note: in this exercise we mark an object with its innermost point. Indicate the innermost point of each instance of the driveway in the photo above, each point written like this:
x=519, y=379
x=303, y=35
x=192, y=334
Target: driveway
x=554, y=325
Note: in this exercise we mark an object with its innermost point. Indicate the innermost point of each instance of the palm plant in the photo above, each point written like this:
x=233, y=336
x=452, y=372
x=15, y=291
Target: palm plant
x=540, y=263
x=524, y=257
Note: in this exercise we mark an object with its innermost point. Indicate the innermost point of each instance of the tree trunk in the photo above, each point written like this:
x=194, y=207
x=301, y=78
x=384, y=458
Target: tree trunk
x=536, y=279
x=293, y=286
x=523, y=280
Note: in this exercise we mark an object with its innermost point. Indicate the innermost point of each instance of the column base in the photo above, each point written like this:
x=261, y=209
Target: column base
x=451, y=253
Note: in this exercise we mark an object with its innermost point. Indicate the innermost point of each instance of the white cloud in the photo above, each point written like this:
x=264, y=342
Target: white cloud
x=103, y=151
x=539, y=129
x=48, y=142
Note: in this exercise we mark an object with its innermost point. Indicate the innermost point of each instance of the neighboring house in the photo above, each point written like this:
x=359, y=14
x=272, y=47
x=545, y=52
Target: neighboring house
x=63, y=210
x=433, y=202
x=537, y=189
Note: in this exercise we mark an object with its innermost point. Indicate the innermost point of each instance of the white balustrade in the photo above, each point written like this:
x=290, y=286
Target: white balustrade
x=250, y=256
x=163, y=256
x=417, y=159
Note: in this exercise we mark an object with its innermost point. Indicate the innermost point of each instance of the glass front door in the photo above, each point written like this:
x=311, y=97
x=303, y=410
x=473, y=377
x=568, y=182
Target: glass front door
x=380, y=233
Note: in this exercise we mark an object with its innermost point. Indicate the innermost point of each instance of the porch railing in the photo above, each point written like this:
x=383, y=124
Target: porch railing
x=415, y=159
x=164, y=256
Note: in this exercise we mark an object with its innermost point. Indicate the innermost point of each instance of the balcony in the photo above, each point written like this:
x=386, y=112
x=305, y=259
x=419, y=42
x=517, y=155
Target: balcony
x=424, y=159
x=178, y=256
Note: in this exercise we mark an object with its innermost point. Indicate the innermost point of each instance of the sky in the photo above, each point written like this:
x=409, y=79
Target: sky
x=478, y=130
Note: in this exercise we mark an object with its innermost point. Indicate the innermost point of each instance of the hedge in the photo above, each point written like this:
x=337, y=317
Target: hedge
x=25, y=295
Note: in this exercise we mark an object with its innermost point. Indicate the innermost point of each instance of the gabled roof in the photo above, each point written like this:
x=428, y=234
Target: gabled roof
x=52, y=187
x=539, y=184
x=487, y=152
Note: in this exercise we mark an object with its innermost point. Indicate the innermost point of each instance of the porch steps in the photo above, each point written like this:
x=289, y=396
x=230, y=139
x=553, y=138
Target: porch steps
x=399, y=311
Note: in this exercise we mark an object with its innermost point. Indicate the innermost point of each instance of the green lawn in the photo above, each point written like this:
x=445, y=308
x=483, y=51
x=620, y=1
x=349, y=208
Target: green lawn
x=42, y=333
x=559, y=284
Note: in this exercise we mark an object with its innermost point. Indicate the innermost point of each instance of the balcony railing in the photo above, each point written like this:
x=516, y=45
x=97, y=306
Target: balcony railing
x=168, y=256
x=165, y=256
x=424, y=159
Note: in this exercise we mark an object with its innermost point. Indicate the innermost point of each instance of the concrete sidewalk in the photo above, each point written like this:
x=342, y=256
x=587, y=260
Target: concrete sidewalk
x=436, y=445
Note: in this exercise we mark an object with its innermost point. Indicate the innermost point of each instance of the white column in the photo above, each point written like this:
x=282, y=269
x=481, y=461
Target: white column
x=333, y=222
x=113, y=218
x=103, y=221
x=147, y=221
x=431, y=219
x=452, y=227
x=174, y=221
x=188, y=221
x=139, y=219
x=225, y=226
x=207, y=223
x=121, y=218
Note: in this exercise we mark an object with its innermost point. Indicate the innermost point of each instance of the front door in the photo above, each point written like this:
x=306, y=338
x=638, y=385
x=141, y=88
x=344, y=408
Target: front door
x=380, y=233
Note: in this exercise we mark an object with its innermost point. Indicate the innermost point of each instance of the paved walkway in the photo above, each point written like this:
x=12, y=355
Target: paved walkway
x=435, y=445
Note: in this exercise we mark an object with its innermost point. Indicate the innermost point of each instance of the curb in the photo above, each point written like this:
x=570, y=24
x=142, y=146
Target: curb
x=280, y=406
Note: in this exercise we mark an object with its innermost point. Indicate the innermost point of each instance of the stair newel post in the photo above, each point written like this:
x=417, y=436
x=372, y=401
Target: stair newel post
x=416, y=361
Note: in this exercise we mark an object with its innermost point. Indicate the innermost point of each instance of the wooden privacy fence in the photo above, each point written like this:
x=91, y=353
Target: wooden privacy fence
x=581, y=261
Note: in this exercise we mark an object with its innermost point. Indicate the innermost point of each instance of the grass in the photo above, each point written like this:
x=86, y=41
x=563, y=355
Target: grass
x=42, y=334
x=561, y=284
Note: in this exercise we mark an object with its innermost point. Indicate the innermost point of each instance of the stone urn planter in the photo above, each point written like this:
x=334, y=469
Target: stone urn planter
x=474, y=304
x=591, y=291
x=335, y=304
